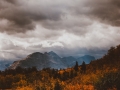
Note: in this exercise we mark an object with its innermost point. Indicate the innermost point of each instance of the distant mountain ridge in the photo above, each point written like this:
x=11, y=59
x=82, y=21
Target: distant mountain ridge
x=70, y=61
x=50, y=59
x=5, y=64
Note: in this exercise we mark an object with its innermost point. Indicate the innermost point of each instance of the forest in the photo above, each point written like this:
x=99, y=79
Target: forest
x=101, y=74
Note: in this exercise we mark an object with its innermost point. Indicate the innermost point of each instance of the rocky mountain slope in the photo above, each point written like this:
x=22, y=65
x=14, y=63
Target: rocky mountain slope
x=50, y=59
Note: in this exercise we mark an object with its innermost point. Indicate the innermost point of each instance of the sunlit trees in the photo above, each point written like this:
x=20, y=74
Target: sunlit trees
x=99, y=74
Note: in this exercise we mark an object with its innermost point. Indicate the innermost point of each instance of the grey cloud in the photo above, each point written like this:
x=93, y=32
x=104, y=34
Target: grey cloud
x=11, y=1
x=22, y=18
x=73, y=24
x=23, y=15
x=107, y=11
x=19, y=22
x=82, y=27
x=8, y=45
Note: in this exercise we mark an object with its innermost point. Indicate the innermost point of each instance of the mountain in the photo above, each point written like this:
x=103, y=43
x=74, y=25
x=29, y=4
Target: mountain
x=50, y=59
x=70, y=61
x=40, y=61
x=5, y=64
x=101, y=74
x=86, y=58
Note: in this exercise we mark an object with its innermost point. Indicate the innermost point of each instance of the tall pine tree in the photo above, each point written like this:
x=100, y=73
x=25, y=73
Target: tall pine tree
x=76, y=66
x=83, y=67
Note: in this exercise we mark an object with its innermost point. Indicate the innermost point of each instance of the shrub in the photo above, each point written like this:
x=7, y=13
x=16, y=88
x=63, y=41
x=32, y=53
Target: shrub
x=108, y=81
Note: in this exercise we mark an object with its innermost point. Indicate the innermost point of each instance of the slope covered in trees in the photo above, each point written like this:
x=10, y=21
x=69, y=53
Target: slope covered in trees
x=102, y=74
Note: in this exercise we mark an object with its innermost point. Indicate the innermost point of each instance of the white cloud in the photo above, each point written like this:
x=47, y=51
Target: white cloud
x=98, y=37
x=65, y=26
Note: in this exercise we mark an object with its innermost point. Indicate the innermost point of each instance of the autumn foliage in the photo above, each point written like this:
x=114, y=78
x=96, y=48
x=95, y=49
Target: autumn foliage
x=101, y=74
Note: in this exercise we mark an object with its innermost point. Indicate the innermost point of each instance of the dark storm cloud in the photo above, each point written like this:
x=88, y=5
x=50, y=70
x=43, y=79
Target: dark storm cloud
x=22, y=18
x=79, y=17
x=11, y=1
x=108, y=11
x=74, y=17
x=17, y=19
x=19, y=22
x=68, y=27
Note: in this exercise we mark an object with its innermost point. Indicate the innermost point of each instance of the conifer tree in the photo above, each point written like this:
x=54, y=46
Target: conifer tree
x=76, y=66
x=57, y=86
x=83, y=67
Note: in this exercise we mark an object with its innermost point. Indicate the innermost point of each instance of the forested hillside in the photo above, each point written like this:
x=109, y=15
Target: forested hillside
x=101, y=74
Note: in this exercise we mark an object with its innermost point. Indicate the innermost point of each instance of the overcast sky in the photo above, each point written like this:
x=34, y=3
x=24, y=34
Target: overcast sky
x=67, y=27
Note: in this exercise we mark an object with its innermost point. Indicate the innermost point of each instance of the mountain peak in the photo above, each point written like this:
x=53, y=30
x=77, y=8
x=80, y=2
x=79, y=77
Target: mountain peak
x=49, y=59
x=35, y=53
x=52, y=53
x=45, y=53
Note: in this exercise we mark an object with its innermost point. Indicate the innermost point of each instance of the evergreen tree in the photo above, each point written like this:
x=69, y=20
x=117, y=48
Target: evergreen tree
x=76, y=66
x=57, y=86
x=83, y=67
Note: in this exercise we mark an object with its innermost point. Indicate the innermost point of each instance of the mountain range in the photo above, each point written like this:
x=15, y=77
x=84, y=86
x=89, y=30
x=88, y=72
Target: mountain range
x=5, y=64
x=49, y=59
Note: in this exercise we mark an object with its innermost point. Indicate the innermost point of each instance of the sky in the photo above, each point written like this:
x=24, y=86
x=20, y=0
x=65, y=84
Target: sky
x=67, y=27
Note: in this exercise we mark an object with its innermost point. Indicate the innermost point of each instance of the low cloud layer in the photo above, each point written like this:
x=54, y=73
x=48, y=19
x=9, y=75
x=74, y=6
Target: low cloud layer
x=65, y=26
